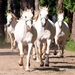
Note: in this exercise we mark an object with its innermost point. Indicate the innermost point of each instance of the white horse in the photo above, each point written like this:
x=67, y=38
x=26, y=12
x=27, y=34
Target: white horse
x=10, y=26
x=25, y=35
x=62, y=33
x=46, y=32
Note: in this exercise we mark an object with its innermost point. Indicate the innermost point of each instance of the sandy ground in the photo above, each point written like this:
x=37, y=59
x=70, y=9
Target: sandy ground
x=58, y=66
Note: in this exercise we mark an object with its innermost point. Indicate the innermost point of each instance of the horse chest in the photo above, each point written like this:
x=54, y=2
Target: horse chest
x=20, y=30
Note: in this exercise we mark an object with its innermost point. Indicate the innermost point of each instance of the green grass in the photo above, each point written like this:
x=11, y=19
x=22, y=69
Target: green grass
x=70, y=45
x=2, y=41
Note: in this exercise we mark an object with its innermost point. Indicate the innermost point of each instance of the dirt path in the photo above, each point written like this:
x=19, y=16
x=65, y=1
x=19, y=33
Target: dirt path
x=58, y=66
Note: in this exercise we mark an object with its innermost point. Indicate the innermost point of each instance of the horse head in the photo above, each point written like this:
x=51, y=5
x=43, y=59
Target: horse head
x=27, y=16
x=11, y=19
x=43, y=15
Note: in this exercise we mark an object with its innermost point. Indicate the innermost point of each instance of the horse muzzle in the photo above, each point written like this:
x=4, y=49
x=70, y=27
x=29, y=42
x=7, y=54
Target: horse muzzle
x=29, y=28
x=8, y=24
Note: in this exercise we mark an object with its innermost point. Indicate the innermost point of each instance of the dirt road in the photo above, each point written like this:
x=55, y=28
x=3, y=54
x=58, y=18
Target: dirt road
x=58, y=66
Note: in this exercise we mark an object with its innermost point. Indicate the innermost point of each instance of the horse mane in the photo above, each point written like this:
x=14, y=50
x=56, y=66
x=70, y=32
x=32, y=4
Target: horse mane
x=14, y=16
x=36, y=14
x=44, y=8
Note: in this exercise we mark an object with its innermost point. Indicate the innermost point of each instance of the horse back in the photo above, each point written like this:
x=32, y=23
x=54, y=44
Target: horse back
x=51, y=27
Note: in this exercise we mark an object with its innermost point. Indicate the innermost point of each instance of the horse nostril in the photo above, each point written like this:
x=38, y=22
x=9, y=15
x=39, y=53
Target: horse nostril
x=29, y=28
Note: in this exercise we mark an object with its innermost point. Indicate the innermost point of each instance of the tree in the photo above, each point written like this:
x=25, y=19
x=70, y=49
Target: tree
x=51, y=4
x=13, y=6
x=36, y=5
x=60, y=6
x=24, y=4
x=70, y=6
x=2, y=12
x=8, y=4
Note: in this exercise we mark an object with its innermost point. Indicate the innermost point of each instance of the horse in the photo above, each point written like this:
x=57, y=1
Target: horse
x=10, y=27
x=62, y=34
x=25, y=34
x=45, y=34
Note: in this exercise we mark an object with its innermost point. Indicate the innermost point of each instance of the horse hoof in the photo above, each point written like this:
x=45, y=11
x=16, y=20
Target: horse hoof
x=20, y=64
x=61, y=56
x=29, y=64
x=42, y=64
x=12, y=49
x=34, y=57
x=27, y=69
x=55, y=53
x=43, y=57
x=47, y=64
x=22, y=67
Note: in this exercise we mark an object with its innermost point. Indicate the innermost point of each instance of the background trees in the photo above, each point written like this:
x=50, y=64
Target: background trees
x=2, y=17
x=55, y=6
x=70, y=6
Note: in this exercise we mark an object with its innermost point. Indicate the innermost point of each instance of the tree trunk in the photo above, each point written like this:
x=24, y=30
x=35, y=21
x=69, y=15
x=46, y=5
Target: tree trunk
x=23, y=5
x=2, y=17
x=70, y=20
x=13, y=6
x=60, y=6
x=36, y=5
x=31, y=4
x=8, y=4
x=73, y=27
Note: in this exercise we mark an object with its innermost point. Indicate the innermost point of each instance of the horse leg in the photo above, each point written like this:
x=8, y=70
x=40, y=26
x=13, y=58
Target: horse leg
x=43, y=51
x=11, y=39
x=20, y=46
x=39, y=52
x=14, y=44
x=55, y=51
x=28, y=56
x=56, y=43
x=47, y=52
x=34, y=51
x=62, y=48
x=59, y=50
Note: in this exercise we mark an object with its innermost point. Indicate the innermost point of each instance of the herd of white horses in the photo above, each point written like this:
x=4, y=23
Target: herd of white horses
x=36, y=33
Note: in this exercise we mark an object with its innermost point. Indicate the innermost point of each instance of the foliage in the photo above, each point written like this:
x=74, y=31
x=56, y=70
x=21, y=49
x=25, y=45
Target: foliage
x=69, y=4
x=66, y=19
x=2, y=41
x=52, y=4
x=70, y=45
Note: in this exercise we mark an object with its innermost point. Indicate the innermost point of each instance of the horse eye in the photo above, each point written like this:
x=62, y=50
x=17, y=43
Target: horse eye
x=25, y=16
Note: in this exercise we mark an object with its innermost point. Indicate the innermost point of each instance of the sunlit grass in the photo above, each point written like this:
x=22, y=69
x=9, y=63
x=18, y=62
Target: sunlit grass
x=70, y=45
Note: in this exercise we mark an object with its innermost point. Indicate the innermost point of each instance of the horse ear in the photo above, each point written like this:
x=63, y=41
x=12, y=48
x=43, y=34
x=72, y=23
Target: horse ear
x=32, y=9
x=40, y=7
x=9, y=11
x=47, y=7
x=25, y=9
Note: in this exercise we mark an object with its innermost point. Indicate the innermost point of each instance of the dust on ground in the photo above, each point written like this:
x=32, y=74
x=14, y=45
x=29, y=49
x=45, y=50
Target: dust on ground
x=57, y=66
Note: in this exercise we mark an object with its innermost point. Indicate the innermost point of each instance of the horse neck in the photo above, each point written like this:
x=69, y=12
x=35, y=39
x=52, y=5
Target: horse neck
x=38, y=26
x=38, y=21
x=23, y=24
x=14, y=22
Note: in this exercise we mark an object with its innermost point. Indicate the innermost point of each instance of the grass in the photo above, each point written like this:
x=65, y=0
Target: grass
x=70, y=45
x=2, y=41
